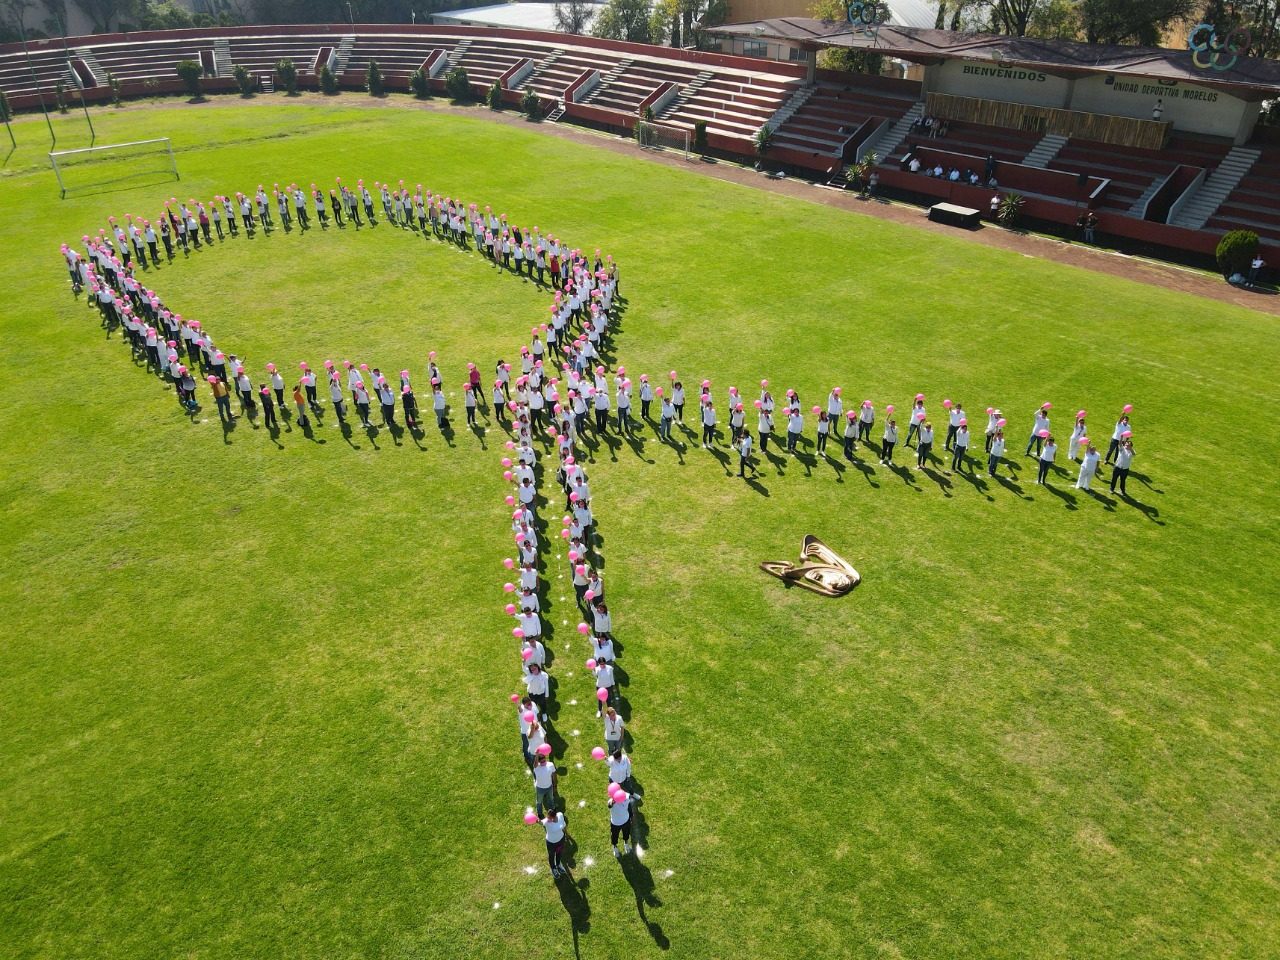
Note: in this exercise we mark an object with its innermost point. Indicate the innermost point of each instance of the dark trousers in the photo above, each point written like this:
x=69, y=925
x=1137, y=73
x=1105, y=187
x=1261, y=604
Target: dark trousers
x=224, y=408
x=848, y=448
x=311, y=397
x=246, y=400
x=615, y=831
x=602, y=421
x=957, y=458
x=269, y=414
x=864, y=431
x=389, y=413
x=708, y=434
x=922, y=453
x=1043, y=471
x=987, y=442
x=554, y=852
x=340, y=409
x=471, y=415
x=792, y=440
x=644, y=408
x=992, y=462
x=886, y=451
x=302, y=216
x=911, y=432
x=822, y=443
x=952, y=430
x=1038, y=443
x=1120, y=475
x=363, y=410
x=1112, y=449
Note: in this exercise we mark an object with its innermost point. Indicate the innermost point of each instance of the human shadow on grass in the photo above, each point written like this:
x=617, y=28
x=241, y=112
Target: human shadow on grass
x=1011, y=485
x=1147, y=510
x=641, y=880
x=573, y=897
x=974, y=479
x=1067, y=498
x=837, y=467
x=371, y=432
x=867, y=470
x=446, y=431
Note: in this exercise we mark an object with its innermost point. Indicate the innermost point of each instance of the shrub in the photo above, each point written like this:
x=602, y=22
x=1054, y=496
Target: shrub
x=60, y=96
x=191, y=72
x=494, y=99
x=647, y=115
x=5, y=113
x=700, y=136
x=328, y=82
x=458, y=85
x=373, y=79
x=531, y=105
x=287, y=75
x=1010, y=209
x=764, y=139
x=420, y=84
x=1236, y=251
x=244, y=80
x=114, y=83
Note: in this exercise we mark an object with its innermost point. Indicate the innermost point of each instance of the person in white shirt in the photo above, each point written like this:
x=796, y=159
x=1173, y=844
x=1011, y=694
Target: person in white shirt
x=1118, y=434
x=667, y=417
x=993, y=424
x=1124, y=458
x=795, y=427
x=619, y=769
x=1037, y=439
x=961, y=446
x=535, y=737
x=535, y=681
x=865, y=421
x=605, y=681
x=602, y=648
x=613, y=727
x=620, y=822
x=1047, y=454
x=602, y=623
x=532, y=651
x=545, y=780
x=918, y=416
x=744, y=456
x=996, y=452
x=954, y=416
x=889, y=440
x=824, y=430
x=554, y=825
x=1088, y=467
x=850, y=433
x=708, y=424
x=924, y=443
x=1078, y=432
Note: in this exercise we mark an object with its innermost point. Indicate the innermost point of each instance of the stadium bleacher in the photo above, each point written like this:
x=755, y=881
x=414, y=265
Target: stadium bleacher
x=835, y=110
x=1255, y=202
x=1132, y=170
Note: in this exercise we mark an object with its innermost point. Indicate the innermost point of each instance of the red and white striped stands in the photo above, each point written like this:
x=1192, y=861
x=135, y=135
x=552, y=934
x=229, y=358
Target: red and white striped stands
x=1255, y=202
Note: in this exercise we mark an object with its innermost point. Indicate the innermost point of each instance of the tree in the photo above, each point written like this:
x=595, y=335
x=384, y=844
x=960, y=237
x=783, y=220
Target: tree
x=458, y=85
x=6, y=114
x=244, y=80
x=624, y=20
x=664, y=22
x=1013, y=16
x=574, y=16
x=108, y=15
x=1132, y=21
x=700, y=136
x=373, y=79
x=835, y=58
x=1010, y=209
x=328, y=82
x=420, y=84
x=160, y=15
x=763, y=140
x=113, y=82
x=712, y=14
x=1236, y=251
x=1260, y=17
x=494, y=99
x=60, y=96
x=191, y=72
x=287, y=75
x=531, y=105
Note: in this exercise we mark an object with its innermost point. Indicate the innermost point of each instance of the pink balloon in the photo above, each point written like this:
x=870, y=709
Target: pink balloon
x=919, y=396
x=517, y=633
x=507, y=475
x=1043, y=434
x=573, y=556
x=580, y=570
x=509, y=587
x=511, y=501
x=511, y=444
x=597, y=753
x=836, y=391
x=964, y=422
x=526, y=654
x=1046, y=405
x=889, y=408
x=764, y=384
x=544, y=750
x=612, y=789
x=1080, y=414
x=564, y=534
x=508, y=563
x=573, y=496
x=759, y=405
x=590, y=595
x=602, y=694
x=528, y=716
x=817, y=410
x=620, y=797
x=583, y=629
x=515, y=698
x=658, y=391
x=990, y=411
x=706, y=383
x=530, y=818
x=510, y=608
x=591, y=664
x=1127, y=408
x=506, y=461
x=672, y=374
x=1126, y=434
x=1001, y=422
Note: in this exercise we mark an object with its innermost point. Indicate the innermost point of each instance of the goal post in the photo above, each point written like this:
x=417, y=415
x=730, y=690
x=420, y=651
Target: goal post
x=662, y=136
x=113, y=163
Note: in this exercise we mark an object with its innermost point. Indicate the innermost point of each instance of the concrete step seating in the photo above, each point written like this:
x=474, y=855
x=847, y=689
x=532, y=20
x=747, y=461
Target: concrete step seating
x=834, y=111
x=126, y=62
x=261, y=54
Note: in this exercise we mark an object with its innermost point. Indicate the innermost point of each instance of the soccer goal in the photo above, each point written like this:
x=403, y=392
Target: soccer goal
x=662, y=136
x=112, y=164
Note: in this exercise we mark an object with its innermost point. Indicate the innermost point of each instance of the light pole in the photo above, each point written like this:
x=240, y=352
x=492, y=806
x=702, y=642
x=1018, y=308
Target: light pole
x=351, y=16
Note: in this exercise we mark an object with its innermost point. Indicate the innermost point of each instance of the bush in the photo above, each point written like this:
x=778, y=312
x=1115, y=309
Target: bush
x=1010, y=209
x=647, y=115
x=191, y=72
x=328, y=82
x=60, y=96
x=373, y=79
x=244, y=80
x=287, y=75
x=531, y=105
x=114, y=83
x=700, y=136
x=420, y=84
x=5, y=113
x=494, y=99
x=764, y=139
x=1236, y=251
x=458, y=85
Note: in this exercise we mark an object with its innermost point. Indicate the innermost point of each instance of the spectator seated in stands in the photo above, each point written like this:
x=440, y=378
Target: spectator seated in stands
x=939, y=172
x=955, y=175
x=970, y=177
x=914, y=165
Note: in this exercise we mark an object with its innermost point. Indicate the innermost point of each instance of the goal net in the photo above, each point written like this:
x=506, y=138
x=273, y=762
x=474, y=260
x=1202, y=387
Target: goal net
x=114, y=165
x=662, y=136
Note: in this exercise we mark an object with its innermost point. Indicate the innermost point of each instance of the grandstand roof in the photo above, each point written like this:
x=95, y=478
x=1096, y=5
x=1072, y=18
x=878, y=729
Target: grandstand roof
x=521, y=16
x=1248, y=75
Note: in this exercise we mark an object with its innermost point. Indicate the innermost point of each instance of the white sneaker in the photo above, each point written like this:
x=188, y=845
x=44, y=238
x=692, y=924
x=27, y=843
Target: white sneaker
x=615, y=853
x=626, y=848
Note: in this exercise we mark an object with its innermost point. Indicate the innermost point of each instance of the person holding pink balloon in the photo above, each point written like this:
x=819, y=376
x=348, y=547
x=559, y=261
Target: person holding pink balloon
x=993, y=415
x=995, y=452
x=620, y=820
x=1088, y=466
x=1039, y=430
x=889, y=439
x=606, y=684
x=553, y=824
x=917, y=419
x=850, y=433
x=924, y=444
x=1121, y=432
x=824, y=430
x=866, y=419
x=1047, y=454
x=795, y=426
x=1124, y=458
x=536, y=682
x=620, y=769
x=602, y=647
x=545, y=781
x=602, y=623
x=955, y=413
x=960, y=445
x=1078, y=432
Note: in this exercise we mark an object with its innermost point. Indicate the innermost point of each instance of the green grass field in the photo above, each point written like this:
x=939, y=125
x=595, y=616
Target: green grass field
x=254, y=694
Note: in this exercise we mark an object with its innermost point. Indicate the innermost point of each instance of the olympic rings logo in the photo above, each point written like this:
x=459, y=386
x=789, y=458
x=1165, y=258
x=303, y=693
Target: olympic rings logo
x=1207, y=51
x=864, y=13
